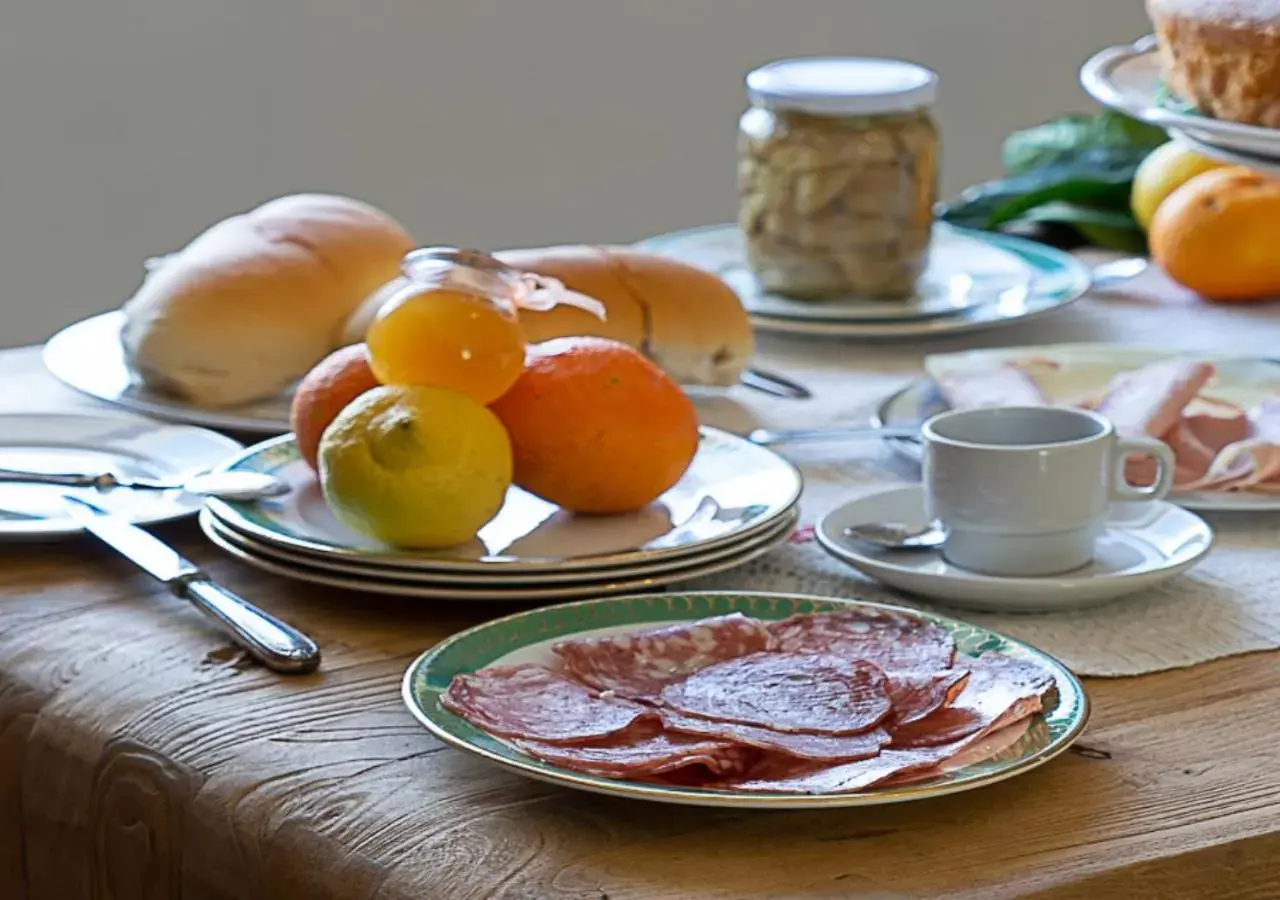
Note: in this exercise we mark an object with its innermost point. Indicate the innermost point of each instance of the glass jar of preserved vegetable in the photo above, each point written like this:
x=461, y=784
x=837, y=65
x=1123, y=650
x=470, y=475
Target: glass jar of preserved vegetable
x=838, y=175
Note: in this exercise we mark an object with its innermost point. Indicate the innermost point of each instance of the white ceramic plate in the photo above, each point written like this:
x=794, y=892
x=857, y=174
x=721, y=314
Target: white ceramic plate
x=1128, y=78
x=513, y=591
x=1143, y=545
x=528, y=636
x=501, y=578
x=93, y=443
x=732, y=489
x=974, y=280
x=1084, y=369
x=1267, y=165
x=88, y=357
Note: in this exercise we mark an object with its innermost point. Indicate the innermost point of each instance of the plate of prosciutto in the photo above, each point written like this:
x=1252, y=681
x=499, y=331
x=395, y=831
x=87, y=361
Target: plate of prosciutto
x=747, y=700
x=1219, y=413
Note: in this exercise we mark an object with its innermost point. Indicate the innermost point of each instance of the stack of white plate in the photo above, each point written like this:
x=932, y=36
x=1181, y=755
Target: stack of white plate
x=973, y=280
x=736, y=502
x=1128, y=78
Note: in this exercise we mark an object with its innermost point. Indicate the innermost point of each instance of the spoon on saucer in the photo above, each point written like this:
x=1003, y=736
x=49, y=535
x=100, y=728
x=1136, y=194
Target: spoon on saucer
x=226, y=485
x=897, y=536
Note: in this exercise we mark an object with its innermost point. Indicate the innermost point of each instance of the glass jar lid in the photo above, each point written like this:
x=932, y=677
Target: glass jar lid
x=842, y=85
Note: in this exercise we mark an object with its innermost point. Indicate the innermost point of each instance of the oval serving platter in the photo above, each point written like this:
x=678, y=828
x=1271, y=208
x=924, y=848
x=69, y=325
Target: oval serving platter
x=528, y=636
x=1242, y=379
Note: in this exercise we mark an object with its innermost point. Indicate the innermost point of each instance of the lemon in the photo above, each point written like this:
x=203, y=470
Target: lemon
x=1165, y=169
x=415, y=467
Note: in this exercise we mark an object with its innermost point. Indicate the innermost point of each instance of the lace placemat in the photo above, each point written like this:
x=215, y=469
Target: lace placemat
x=1226, y=605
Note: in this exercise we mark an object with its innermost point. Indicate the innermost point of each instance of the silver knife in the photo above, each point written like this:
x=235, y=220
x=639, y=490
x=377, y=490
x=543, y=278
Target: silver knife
x=273, y=643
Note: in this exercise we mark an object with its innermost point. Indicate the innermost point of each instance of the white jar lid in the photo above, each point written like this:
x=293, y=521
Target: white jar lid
x=842, y=85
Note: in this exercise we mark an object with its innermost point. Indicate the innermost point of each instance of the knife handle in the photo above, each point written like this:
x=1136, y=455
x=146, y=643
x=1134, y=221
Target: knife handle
x=273, y=643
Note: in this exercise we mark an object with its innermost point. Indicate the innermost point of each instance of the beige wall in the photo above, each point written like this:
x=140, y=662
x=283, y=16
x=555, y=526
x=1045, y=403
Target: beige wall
x=129, y=125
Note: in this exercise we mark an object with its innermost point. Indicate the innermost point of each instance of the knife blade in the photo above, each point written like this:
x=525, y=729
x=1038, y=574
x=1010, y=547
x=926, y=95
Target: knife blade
x=275, y=644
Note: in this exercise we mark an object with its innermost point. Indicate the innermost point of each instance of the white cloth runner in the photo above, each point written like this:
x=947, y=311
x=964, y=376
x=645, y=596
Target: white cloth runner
x=1226, y=605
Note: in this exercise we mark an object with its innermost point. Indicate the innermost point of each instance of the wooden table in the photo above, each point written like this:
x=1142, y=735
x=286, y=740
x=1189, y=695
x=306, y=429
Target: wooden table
x=141, y=757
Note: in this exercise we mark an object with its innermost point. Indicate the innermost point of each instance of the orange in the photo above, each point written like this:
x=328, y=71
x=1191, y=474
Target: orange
x=440, y=337
x=335, y=381
x=596, y=427
x=1219, y=235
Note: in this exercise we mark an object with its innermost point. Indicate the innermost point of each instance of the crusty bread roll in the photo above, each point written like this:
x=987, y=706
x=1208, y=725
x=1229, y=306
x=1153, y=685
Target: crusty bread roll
x=684, y=318
x=257, y=299
x=1223, y=56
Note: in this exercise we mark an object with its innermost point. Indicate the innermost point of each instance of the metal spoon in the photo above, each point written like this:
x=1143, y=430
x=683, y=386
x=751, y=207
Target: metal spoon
x=897, y=536
x=227, y=485
x=768, y=437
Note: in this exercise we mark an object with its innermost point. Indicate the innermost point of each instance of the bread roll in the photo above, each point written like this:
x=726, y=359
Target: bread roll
x=257, y=299
x=684, y=318
x=1222, y=56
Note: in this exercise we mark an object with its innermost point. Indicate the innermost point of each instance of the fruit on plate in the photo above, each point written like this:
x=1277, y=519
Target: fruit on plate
x=446, y=337
x=1219, y=235
x=336, y=380
x=1165, y=169
x=415, y=467
x=596, y=427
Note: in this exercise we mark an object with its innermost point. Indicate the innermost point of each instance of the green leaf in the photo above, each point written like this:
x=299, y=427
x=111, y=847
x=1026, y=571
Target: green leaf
x=1068, y=137
x=1099, y=177
x=1109, y=228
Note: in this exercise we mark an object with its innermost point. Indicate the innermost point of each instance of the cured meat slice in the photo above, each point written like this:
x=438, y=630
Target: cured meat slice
x=896, y=642
x=1003, y=385
x=1150, y=400
x=997, y=684
x=915, y=695
x=774, y=774
x=996, y=741
x=1252, y=465
x=531, y=701
x=1216, y=430
x=638, y=665
x=799, y=692
x=651, y=753
x=826, y=747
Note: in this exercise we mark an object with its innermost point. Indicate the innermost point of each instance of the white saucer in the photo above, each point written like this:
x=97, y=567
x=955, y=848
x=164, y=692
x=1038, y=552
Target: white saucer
x=92, y=443
x=1143, y=545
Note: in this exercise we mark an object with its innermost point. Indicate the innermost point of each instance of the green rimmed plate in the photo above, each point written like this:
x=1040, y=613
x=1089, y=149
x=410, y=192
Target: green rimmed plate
x=527, y=637
x=973, y=280
x=732, y=491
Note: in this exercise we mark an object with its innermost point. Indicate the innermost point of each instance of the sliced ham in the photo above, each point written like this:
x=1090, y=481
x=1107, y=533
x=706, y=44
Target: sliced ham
x=818, y=693
x=1149, y=401
x=1252, y=465
x=640, y=664
x=1264, y=420
x=532, y=702
x=1003, y=385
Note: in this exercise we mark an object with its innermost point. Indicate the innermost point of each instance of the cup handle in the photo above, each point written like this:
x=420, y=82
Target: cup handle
x=1121, y=489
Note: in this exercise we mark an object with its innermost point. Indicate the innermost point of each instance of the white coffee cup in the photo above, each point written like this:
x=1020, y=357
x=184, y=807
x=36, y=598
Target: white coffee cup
x=1025, y=490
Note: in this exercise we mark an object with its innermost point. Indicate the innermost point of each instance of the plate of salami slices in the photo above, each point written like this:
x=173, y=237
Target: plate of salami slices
x=750, y=700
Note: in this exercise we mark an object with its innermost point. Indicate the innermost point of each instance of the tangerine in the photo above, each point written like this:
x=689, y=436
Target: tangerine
x=332, y=383
x=448, y=338
x=1219, y=235
x=596, y=427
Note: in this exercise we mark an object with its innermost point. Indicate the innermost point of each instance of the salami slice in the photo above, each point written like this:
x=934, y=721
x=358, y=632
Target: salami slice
x=896, y=642
x=997, y=684
x=640, y=664
x=532, y=702
x=993, y=744
x=820, y=747
x=653, y=753
x=915, y=695
x=772, y=775
x=797, y=692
